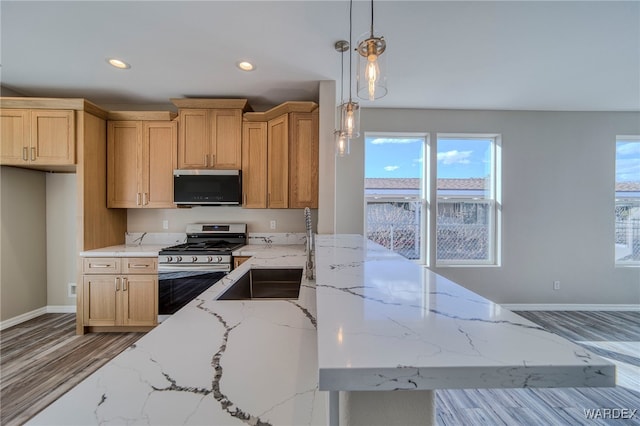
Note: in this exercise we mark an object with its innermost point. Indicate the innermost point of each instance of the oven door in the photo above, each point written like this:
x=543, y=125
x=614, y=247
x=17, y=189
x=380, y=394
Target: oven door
x=178, y=285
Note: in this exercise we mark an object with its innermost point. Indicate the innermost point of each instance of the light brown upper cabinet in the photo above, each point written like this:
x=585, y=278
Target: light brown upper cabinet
x=210, y=135
x=280, y=157
x=141, y=157
x=38, y=137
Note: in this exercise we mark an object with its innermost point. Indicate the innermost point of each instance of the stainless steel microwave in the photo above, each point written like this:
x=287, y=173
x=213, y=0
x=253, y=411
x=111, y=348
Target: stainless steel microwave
x=207, y=187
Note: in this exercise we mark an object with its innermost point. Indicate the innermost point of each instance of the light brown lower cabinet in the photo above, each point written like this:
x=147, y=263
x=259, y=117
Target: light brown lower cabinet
x=120, y=292
x=239, y=260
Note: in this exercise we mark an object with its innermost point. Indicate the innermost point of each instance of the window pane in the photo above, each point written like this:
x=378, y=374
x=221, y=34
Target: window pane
x=464, y=230
x=627, y=207
x=465, y=215
x=395, y=225
x=393, y=191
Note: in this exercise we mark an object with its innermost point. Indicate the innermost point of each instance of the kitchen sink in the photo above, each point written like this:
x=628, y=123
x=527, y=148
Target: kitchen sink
x=261, y=284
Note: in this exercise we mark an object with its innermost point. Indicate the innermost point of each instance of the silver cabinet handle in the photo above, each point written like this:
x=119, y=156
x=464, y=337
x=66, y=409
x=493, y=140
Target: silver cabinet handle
x=206, y=160
x=33, y=153
x=99, y=265
x=139, y=265
x=117, y=283
x=245, y=199
x=144, y=199
x=137, y=199
x=213, y=160
x=124, y=284
x=25, y=153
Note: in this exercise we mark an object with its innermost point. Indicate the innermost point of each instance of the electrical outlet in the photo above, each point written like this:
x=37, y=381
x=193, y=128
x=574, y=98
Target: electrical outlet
x=272, y=224
x=556, y=285
x=71, y=289
x=165, y=224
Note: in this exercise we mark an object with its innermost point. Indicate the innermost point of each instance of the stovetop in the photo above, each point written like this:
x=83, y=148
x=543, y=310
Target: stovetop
x=206, y=247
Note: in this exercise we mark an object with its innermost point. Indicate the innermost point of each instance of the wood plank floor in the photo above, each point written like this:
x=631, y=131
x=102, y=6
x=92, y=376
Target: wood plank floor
x=43, y=358
x=612, y=335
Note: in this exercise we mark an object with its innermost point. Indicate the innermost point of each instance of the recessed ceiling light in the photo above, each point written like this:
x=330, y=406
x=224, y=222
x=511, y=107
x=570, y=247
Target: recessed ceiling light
x=246, y=66
x=118, y=63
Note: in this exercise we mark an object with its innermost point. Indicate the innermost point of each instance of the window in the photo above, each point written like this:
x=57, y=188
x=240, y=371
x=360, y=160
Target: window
x=394, y=192
x=627, y=207
x=467, y=200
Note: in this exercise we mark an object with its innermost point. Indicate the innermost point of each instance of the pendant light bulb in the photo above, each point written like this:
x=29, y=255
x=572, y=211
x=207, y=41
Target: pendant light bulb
x=342, y=144
x=371, y=79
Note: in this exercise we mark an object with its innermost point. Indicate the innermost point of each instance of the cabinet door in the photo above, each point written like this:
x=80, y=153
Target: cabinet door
x=303, y=160
x=159, y=160
x=278, y=162
x=100, y=293
x=254, y=165
x=52, y=137
x=124, y=159
x=14, y=136
x=193, y=140
x=226, y=139
x=140, y=300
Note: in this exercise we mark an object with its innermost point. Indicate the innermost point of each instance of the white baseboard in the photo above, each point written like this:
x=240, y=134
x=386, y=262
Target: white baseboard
x=569, y=307
x=22, y=318
x=51, y=309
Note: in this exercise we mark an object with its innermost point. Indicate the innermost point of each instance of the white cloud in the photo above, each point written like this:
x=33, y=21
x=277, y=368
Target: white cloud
x=629, y=148
x=381, y=141
x=391, y=168
x=628, y=169
x=455, y=157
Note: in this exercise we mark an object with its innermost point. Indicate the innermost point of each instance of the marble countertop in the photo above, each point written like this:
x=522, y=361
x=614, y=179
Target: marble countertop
x=213, y=362
x=125, y=250
x=372, y=320
x=386, y=323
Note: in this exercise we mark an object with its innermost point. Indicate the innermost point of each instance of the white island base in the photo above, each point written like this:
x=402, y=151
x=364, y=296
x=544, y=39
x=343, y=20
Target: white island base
x=387, y=408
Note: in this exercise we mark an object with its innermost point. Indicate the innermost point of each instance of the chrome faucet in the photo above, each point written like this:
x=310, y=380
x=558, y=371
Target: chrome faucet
x=310, y=267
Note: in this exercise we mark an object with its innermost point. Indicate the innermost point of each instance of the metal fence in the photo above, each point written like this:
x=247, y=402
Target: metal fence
x=627, y=231
x=395, y=225
x=463, y=228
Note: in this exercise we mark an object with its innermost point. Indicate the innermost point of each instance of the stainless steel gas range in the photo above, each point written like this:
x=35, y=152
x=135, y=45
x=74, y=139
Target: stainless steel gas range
x=186, y=270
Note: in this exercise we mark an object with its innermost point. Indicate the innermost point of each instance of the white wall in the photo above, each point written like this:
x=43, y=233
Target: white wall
x=257, y=220
x=558, y=197
x=23, y=267
x=61, y=237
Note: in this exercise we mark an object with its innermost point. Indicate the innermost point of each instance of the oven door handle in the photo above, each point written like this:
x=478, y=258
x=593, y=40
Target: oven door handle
x=194, y=268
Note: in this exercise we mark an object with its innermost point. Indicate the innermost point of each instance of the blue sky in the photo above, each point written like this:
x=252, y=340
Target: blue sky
x=627, y=161
x=402, y=157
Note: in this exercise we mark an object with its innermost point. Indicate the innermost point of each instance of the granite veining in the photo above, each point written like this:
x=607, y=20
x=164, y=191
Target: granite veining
x=386, y=323
x=371, y=320
x=213, y=362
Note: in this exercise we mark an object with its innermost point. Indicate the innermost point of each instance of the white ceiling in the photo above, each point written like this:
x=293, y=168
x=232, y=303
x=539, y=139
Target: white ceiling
x=481, y=55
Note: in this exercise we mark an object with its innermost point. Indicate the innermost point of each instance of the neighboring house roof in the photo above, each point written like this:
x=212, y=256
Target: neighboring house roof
x=459, y=184
x=414, y=183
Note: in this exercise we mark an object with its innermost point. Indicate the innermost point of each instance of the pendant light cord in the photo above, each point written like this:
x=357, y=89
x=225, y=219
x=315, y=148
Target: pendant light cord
x=342, y=76
x=350, y=31
x=371, y=18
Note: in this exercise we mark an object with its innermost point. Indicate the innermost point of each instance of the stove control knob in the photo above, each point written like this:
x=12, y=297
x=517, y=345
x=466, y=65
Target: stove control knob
x=178, y=258
x=195, y=259
x=169, y=259
x=209, y=259
x=219, y=259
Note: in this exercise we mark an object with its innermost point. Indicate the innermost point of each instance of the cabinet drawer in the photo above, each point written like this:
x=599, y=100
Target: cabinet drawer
x=101, y=265
x=139, y=265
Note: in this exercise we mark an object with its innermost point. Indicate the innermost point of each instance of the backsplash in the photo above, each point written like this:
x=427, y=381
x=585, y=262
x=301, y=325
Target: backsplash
x=173, y=238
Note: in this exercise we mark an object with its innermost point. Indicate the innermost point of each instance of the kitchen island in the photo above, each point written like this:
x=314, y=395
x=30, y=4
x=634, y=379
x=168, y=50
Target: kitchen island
x=386, y=324
x=382, y=324
x=212, y=363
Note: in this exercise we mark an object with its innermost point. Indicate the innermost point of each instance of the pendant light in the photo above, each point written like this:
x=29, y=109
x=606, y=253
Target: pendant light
x=349, y=112
x=341, y=139
x=372, y=78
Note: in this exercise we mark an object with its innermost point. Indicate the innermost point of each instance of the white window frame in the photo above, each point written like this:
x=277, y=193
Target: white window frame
x=495, y=198
x=631, y=200
x=423, y=198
